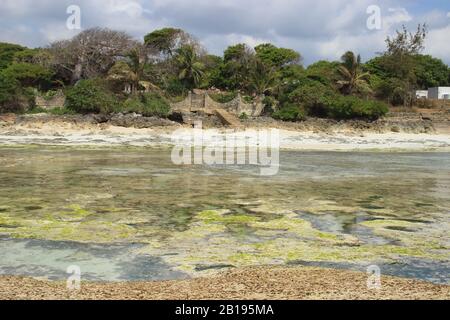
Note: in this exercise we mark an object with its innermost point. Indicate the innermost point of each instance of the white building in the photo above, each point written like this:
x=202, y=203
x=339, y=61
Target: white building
x=439, y=93
x=422, y=94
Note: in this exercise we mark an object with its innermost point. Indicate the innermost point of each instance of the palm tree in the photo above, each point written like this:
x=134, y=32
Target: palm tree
x=262, y=78
x=137, y=59
x=190, y=68
x=353, y=77
x=131, y=70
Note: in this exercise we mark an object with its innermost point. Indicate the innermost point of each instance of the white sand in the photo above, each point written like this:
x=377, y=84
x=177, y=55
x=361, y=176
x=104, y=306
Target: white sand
x=293, y=140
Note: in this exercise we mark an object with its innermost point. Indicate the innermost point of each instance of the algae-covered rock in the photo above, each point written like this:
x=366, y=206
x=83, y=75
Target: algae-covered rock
x=420, y=236
x=212, y=216
x=72, y=224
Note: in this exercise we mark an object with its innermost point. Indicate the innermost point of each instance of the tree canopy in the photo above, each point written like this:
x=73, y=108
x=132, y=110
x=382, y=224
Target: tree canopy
x=167, y=40
x=431, y=72
x=7, y=53
x=277, y=57
x=395, y=72
x=89, y=54
x=98, y=64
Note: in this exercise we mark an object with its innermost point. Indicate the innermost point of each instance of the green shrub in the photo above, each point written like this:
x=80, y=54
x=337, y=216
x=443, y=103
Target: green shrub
x=14, y=98
x=289, y=112
x=7, y=53
x=55, y=111
x=243, y=116
x=349, y=107
x=313, y=96
x=223, y=97
x=90, y=96
x=320, y=100
x=36, y=110
x=155, y=105
x=29, y=96
x=324, y=72
x=174, y=87
x=148, y=105
x=8, y=89
x=133, y=104
x=270, y=104
x=247, y=99
x=50, y=94
x=29, y=74
x=61, y=111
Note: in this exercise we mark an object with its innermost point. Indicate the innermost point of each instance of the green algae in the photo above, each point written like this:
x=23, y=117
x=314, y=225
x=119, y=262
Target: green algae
x=305, y=243
x=318, y=206
x=91, y=232
x=78, y=211
x=212, y=216
x=420, y=239
x=382, y=223
x=137, y=196
x=210, y=231
x=60, y=228
x=301, y=228
x=290, y=239
x=7, y=222
x=287, y=223
x=350, y=254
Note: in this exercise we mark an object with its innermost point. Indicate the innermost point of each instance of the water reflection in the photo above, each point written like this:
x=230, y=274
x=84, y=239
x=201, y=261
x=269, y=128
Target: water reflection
x=323, y=207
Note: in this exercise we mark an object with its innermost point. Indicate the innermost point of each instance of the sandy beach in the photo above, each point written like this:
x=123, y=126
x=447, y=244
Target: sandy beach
x=63, y=133
x=259, y=283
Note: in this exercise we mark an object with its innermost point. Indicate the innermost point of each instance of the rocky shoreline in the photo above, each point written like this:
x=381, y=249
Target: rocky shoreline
x=403, y=123
x=257, y=283
x=390, y=134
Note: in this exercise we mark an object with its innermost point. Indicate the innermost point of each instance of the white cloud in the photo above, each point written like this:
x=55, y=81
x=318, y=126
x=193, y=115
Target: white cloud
x=55, y=31
x=318, y=29
x=437, y=43
x=132, y=9
x=15, y=7
x=396, y=17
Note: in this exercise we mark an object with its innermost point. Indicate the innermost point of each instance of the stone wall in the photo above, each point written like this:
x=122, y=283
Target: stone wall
x=182, y=106
x=204, y=103
x=57, y=101
x=433, y=104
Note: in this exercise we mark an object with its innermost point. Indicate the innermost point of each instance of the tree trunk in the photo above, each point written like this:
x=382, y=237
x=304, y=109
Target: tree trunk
x=77, y=73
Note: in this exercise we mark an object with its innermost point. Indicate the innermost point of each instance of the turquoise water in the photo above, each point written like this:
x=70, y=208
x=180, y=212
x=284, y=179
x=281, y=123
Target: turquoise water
x=130, y=214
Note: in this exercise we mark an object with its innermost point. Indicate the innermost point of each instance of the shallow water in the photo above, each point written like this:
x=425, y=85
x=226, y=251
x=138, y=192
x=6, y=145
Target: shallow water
x=130, y=214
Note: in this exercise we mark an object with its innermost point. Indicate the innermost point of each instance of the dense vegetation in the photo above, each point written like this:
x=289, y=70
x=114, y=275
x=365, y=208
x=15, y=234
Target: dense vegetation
x=95, y=67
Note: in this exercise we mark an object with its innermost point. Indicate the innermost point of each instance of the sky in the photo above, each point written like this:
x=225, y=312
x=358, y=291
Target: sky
x=317, y=29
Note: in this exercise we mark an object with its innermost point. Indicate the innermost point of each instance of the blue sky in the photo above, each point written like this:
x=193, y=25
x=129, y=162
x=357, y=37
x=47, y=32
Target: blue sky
x=417, y=6
x=318, y=29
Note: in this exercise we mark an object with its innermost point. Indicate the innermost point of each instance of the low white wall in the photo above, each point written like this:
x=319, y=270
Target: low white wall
x=438, y=92
x=422, y=93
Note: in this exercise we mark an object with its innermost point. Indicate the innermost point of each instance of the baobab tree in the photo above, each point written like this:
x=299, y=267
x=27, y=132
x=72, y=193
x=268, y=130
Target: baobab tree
x=89, y=54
